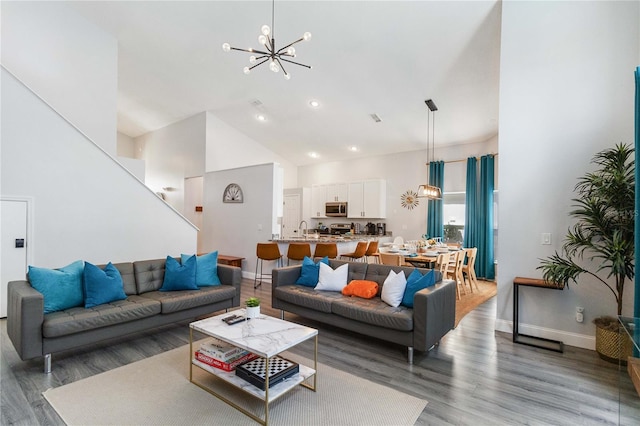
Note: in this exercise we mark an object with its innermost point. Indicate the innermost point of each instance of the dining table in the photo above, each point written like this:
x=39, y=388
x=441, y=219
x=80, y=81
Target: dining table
x=421, y=259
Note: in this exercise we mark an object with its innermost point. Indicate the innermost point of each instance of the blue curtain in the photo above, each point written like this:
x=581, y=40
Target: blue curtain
x=470, y=211
x=435, y=222
x=636, y=304
x=484, y=220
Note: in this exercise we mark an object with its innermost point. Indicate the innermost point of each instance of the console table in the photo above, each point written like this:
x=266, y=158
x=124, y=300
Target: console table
x=230, y=260
x=525, y=339
x=629, y=377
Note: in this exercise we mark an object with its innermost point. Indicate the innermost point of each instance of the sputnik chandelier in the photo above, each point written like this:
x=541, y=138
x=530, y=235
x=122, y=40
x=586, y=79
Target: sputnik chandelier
x=273, y=56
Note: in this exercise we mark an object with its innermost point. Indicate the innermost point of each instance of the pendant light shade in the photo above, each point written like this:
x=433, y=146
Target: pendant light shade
x=427, y=190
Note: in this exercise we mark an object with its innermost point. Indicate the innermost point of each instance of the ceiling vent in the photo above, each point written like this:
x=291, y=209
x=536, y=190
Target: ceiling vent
x=375, y=117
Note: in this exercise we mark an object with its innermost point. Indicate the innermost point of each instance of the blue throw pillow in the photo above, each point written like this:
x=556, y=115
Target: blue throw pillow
x=179, y=277
x=415, y=283
x=206, y=269
x=310, y=271
x=102, y=287
x=61, y=288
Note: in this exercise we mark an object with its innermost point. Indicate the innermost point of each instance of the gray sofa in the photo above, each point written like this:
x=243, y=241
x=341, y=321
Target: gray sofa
x=35, y=334
x=420, y=328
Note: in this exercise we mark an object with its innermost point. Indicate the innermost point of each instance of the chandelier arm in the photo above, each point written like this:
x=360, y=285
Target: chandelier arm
x=260, y=52
x=293, y=62
x=260, y=63
x=277, y=58
x=290, y=44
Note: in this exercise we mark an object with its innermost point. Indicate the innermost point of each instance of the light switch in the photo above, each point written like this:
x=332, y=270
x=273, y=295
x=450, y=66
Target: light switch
x=545, y=239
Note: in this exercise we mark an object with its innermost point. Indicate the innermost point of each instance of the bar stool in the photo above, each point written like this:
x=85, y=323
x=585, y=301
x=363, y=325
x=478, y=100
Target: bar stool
x=358, y=254
x=297, y=251
x=372, y=251
x=329, y=250
x=266, y=251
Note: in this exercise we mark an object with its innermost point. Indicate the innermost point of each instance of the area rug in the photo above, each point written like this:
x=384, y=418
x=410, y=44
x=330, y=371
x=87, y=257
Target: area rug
x=468, y=302
x=157, y=391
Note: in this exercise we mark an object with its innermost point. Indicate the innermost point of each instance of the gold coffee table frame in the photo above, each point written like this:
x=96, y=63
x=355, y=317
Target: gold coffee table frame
x=298, y=333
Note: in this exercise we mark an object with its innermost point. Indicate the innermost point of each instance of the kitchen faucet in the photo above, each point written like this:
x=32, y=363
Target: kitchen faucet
x=306, y=227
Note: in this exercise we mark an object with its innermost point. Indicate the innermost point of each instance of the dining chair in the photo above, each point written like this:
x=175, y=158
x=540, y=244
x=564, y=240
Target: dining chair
x=372, y=251
x=358, y=254
x=398, y=241
x=297, y=251
x=468, y=269
x=266, y=251
x=392, y=259
x=442, y=263
x=454, y=270
x=329, y=250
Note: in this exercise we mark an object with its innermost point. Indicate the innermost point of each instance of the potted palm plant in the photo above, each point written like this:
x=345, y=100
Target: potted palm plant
x=601, y=243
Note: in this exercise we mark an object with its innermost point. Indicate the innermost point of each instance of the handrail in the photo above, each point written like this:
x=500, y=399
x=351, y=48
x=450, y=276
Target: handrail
x=99, y=147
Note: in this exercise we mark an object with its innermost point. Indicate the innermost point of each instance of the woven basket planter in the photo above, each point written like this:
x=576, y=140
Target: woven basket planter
x=613, y=346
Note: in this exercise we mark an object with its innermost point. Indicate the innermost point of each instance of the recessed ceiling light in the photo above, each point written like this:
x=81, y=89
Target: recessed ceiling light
x=313, y=155
x=314, y=104
x=261, y=117
x=353, y=148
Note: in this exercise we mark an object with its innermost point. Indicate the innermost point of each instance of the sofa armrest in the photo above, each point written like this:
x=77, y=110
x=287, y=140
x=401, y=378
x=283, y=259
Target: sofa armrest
x=283, y=276
x=434, y=314
x=25, y=316
x=231, y=275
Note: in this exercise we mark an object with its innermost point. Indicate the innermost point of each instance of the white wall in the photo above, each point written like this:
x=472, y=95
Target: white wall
x=86, y=206
x=171, y=154
x=566, y=92
x=67, y=61
x=228, y=148
x=126, y=146
x=236, y=228
x=402, y=171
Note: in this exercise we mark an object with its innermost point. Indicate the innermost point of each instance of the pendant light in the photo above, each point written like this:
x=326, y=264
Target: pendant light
x=427, y=190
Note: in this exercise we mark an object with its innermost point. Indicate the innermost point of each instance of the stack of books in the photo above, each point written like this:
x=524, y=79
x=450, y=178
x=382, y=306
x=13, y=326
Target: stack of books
x=222, y=355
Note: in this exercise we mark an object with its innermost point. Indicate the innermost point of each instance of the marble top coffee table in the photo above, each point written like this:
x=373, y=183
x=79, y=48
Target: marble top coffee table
x=265, y=336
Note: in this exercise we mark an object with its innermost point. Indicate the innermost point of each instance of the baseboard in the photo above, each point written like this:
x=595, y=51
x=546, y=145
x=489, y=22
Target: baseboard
x=571, y=339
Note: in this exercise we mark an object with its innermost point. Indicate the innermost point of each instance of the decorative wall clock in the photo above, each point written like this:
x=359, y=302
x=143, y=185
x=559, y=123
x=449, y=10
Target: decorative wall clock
x=409, y=200
x=232, y=194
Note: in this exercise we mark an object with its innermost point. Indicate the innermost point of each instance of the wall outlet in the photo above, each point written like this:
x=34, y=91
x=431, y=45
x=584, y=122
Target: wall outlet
x=579, y=314
x=545, y=238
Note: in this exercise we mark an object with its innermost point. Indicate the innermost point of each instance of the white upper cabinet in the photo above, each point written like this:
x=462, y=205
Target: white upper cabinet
x=337, y=192
x=367, y=199
x=318, y=200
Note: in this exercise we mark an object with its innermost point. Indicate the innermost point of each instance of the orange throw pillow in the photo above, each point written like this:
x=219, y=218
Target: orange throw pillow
x=361, y=288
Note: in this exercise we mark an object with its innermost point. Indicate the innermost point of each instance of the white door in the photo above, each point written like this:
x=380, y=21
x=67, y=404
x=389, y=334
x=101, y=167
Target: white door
x=13, y=246
x=291, y=216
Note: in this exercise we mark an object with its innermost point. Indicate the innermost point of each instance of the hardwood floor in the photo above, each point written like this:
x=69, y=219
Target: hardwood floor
x=475, y=376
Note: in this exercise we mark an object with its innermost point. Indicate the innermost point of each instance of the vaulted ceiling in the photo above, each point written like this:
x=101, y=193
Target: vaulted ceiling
x=368, y=57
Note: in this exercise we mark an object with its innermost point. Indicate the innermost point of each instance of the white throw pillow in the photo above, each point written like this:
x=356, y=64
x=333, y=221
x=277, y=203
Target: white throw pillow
x=332, y=280
x=393, y=288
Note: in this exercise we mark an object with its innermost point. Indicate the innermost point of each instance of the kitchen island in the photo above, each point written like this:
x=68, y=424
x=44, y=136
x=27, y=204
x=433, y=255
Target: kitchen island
x=345, y=243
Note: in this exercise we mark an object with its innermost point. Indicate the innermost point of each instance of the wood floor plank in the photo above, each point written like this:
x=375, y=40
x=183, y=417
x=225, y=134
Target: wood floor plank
x=476, y=376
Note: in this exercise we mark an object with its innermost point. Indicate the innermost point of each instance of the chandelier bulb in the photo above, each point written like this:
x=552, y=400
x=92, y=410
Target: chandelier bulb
x=287, y=76
x=226, y=47
x=265, y=30
x=291, y=51
x=252, y=59
x=273, y=66
x=306, y=36
x=262, y=39
x=246, y=70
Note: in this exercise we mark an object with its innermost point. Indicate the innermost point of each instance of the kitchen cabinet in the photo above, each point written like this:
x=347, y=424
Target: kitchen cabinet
x=367, y=199
x=337, y=192
x=318, y=200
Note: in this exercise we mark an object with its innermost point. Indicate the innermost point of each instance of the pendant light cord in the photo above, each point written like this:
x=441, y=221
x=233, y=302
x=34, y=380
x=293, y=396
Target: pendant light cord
x=273, y=12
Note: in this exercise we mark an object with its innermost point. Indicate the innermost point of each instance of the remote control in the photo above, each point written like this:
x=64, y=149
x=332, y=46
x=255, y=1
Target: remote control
x=236, y=320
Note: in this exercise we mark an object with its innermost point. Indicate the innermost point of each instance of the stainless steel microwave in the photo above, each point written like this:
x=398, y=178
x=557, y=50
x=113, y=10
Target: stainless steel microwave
x=335, y=209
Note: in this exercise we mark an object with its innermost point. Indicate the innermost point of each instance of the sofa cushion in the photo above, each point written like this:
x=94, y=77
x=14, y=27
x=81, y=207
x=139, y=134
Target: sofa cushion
x=179, y=276
x=76, y=320
x=174, y=301
x=149, y=274
x=307, y=297
x=361, y=288
x=416, y=282
x=206, y=268
x=61, y=288
x=375, y=312
x=357, y=270
x=310, y=271
x=332, y=279
x=393, y=288
x=102, y=286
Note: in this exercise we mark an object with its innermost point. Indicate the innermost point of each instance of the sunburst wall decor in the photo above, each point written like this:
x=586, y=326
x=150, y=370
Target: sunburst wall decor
x=409, y=200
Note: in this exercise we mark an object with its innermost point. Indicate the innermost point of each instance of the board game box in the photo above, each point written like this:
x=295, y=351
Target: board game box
x=279, y=370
